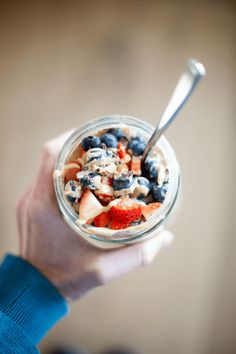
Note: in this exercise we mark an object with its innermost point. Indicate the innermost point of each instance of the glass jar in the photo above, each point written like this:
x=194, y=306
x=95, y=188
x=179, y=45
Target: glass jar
x=117, y=238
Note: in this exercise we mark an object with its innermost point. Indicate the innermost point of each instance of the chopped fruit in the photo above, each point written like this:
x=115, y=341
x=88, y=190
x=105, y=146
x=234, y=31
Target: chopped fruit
x=70, y=172
x=144, y=182
x=109, y=140
x=105, y=197
x=82, y=152
x=149, y=210
x=73, y=191
x=108, y=181
x=117, y=132
x=102, y=220
x=137, y=146
x=123, y=181
x=135, y=165
x=73, y=161
x=139, y=138
x=142, y=188
x=121, y=150
x=159, y=192
x=91, y=142
x=118, y=225
x=151, y=169
x=126, y=158
x=77, y=153
x=126, y=211
x=89, y=206
x=91, y=181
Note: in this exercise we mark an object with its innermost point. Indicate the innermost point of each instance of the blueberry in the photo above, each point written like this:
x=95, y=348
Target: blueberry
x=71, y=192
x=109, y=140
x=71, y=199
x=117, y=132
x=142, y=188
x=71, y=185
x=158, y=192
x=144, y=182
x=139, y=138
x=150, y=167
x=91, y=142
x=92, y=181
x=136, y=146
x=122, y=182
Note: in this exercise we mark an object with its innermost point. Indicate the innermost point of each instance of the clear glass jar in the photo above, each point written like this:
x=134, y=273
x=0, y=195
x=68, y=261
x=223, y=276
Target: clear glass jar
x=117, y=238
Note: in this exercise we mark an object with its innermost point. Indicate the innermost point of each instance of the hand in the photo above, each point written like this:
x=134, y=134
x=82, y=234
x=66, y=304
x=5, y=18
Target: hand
x=73, y=265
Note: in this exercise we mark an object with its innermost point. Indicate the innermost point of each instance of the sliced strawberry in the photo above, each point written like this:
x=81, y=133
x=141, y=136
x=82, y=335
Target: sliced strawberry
x=70, y=172
x=135, y=165
x=118, y=225
x=107, y=180
x=103, y=219
x=78, y=152
x=126, y=211
x=73, y=161
x=126, y=158
x=89, y=206
x=149, y=210
x=105, y=197
x=121, y=150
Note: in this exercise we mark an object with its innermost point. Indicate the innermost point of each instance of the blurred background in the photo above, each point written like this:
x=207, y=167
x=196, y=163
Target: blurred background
x=63, y=63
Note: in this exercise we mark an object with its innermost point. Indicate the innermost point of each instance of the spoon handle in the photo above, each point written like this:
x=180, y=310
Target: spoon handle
x=193, y=72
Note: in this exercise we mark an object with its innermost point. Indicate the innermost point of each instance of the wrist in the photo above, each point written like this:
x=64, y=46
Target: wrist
x=72, y=281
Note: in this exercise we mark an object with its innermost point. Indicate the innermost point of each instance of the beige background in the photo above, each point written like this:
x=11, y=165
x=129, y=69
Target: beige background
x=65, y=62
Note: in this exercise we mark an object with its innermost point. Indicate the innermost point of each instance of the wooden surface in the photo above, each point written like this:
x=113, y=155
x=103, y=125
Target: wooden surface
x=65, y=62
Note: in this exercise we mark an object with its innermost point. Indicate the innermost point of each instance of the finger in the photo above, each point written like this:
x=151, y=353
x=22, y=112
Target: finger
x=43, y=185
x=118, y=262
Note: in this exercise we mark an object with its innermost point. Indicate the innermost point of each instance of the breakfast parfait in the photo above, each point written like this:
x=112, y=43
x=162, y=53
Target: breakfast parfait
x=106, y=184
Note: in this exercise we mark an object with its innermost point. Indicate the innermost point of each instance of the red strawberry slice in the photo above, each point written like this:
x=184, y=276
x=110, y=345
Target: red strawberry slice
x=149, y=210
x=107, y=198
x=102, y=220
x=70, y=172
x=135, y=165
x=121, y=150
x=107, y=180
x=89, y=206
x=117, y=225
x=126, y=211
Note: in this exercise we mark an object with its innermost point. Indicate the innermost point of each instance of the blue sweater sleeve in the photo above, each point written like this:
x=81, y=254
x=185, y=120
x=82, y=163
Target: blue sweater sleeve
x=29, y=306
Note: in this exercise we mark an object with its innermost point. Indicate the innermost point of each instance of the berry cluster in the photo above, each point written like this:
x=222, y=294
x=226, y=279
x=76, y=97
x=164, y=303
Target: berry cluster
x=107, y=185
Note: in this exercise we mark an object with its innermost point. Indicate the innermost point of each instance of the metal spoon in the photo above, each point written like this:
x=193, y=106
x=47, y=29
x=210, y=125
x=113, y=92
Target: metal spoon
x=189, y=79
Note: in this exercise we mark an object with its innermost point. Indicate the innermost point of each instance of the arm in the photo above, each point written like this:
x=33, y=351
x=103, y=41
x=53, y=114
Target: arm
x=56, y=266
x=29, y=306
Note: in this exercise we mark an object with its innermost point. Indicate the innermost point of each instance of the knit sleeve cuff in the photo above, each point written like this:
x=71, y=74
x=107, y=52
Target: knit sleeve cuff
x=13, y=340
x=29, y=299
